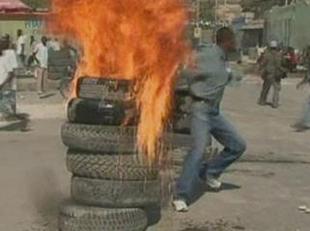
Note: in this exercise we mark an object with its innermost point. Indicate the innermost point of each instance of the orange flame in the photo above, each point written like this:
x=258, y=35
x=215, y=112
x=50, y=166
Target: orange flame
x=141, y=40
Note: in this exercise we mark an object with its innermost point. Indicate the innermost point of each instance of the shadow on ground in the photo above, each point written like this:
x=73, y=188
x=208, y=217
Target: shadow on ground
x=19, y=123
x=201, y=188
x=219, y=225
x=46, y=196
x=45, y=96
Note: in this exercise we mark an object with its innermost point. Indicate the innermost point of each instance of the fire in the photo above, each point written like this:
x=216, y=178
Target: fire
x=140, y=40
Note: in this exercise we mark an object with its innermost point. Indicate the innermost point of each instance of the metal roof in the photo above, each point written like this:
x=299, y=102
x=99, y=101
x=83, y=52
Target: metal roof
x=13, y=6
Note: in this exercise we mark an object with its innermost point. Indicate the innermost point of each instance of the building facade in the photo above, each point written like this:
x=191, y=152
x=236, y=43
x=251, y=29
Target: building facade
x=289, y=25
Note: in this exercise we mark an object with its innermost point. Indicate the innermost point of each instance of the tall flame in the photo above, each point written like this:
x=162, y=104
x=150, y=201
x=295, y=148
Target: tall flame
x=141, y=40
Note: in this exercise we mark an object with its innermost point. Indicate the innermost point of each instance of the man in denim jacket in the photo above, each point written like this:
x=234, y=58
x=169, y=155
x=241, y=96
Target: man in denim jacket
x=208, y=80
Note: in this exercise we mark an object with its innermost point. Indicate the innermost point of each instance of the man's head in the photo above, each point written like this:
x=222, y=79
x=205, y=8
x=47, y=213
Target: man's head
x=19, y=32
x=44, y=40
x=225, y=38
x=273, y=45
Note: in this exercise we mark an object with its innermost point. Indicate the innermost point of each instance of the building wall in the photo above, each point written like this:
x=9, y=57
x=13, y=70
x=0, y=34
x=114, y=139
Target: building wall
x=289, y=25
x=30, y=24
x=301, y=34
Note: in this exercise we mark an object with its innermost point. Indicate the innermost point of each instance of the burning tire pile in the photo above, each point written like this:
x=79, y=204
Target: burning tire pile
x=111, y=186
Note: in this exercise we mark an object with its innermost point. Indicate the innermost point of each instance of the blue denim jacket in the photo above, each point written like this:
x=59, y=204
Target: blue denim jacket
x=210, y=76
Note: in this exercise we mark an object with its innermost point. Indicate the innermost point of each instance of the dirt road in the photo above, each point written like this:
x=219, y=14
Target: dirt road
x=262, y=193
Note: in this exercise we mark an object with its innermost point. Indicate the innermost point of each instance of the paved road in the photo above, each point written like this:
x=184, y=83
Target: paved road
x=263, y=191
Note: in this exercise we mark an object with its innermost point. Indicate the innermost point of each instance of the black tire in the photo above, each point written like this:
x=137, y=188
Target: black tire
x=65, y=88
x=58, y=69
x=112, y=167
x=61, y=62
x=98, y=88
x=55, y=76
x=115, y=194
x=178, y=156
x=181, y=124
x=96, y=112
x=110, y=139
x=82, y=218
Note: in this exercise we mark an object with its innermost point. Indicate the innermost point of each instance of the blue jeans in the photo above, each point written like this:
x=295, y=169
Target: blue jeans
x=207, y=122
x=7, y=102
x=306, y=115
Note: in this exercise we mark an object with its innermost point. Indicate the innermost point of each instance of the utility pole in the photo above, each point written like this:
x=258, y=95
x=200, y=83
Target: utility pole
x=197, y=11
x=215, y=11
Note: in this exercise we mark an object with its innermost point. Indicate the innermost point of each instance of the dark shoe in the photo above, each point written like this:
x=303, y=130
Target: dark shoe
x=275, y=106
x=262, y=103
x=6, y=123
x=299, y=127
x=13, y=118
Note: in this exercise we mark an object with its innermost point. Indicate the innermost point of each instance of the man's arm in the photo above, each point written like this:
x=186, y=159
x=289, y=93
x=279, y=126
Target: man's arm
x=34, y=54
x=7, y=79
x=280, y=66
x=306, y=80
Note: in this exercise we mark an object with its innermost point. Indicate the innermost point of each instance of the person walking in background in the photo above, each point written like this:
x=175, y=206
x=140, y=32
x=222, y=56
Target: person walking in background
x=41, y=58
x=32, y=45
x=210, y=76
x=7, y=96
x=272, y=73
x=11, y=59
x=21, y=47
x=304, y=122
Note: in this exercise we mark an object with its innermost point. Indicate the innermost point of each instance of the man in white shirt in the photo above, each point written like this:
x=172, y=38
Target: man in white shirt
x=20, y=46
x=11, y=60
x=4, y=67
x=41, y=58
x=7, y=90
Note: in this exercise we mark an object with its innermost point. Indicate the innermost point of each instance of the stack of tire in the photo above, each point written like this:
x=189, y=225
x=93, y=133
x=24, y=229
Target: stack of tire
x=58, y=62
x=112, y=187
x=183, y=101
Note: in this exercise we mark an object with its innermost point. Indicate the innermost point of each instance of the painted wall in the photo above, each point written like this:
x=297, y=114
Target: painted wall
x=30, y=24
x=289, y=25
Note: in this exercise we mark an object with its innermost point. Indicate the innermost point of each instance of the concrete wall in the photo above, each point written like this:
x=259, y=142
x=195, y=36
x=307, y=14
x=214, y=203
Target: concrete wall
x=289, y=25
x=30, y=27
x=30, y=24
